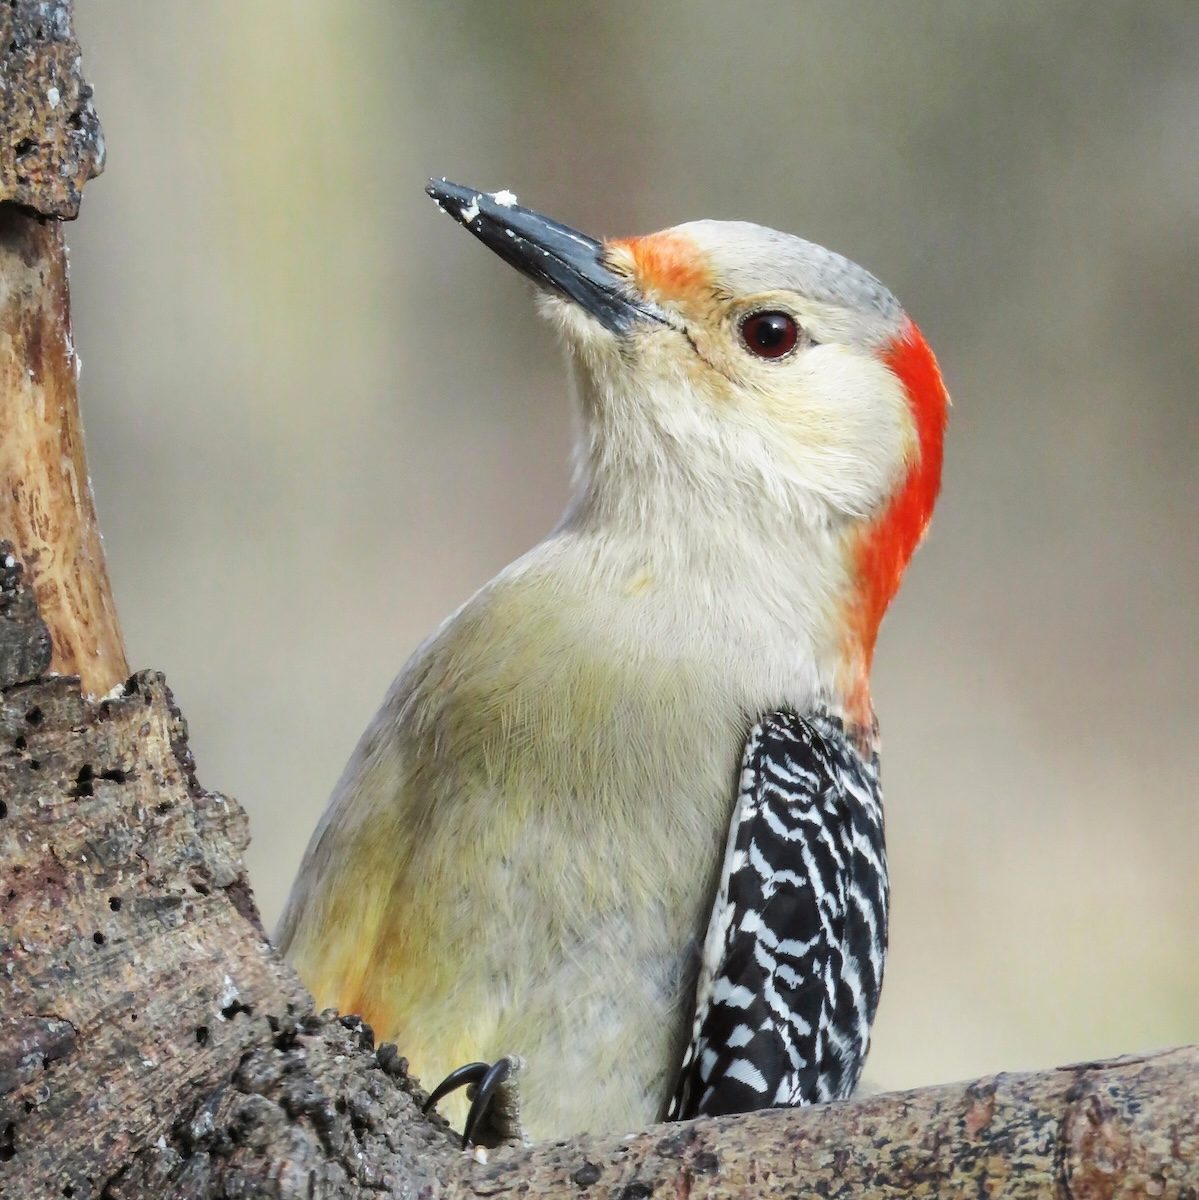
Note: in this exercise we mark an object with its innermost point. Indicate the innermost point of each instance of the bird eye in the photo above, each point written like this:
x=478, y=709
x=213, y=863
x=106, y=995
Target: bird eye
x=769, y=334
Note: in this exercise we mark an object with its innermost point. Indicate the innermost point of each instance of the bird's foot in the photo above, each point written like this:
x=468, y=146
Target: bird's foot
x=494, y=1116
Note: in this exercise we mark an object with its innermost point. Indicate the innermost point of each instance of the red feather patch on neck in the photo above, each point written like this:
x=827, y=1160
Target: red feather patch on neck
x=885, y=546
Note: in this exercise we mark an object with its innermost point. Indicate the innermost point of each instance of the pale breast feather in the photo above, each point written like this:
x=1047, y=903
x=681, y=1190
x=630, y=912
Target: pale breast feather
x=793, y=960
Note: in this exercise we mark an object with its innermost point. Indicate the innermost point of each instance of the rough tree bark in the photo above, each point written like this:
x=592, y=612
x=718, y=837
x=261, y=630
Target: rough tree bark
x=152, y=1044
x=50, y=145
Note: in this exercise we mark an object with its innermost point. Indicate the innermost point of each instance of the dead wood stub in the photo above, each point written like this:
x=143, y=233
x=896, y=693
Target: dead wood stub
x=151, y=1041
x=50, y=145
x=50, y=139
x=118, y=943
x=46, y=506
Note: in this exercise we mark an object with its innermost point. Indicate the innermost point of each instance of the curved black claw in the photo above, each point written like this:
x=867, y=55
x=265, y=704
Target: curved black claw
x=474, y=1072
x=484, y=1091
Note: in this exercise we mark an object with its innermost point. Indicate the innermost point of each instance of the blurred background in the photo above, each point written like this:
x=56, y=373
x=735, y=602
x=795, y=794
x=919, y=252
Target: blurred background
x=320, y=415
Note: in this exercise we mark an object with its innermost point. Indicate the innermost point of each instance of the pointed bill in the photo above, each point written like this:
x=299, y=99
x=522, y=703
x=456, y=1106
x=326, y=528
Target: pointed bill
x=551, y=254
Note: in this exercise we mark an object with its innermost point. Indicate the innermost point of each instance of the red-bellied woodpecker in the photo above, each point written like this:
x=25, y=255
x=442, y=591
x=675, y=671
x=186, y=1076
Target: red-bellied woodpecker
x=620, y=814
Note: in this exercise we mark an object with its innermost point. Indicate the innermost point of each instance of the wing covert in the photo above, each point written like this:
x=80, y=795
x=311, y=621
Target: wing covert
x=793, y=959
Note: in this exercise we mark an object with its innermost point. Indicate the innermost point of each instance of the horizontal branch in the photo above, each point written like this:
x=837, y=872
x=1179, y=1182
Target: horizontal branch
x=1092, y=1131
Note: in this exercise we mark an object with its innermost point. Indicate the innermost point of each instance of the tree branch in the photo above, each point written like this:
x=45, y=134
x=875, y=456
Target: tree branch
x=1121, y=1128
x=50, y=145
x=46, y=506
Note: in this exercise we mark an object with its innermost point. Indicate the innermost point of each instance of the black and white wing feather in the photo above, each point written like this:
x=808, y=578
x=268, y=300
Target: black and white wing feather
x=793, y=961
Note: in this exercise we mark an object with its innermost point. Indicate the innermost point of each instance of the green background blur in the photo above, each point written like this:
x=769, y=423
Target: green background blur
x=319, y=415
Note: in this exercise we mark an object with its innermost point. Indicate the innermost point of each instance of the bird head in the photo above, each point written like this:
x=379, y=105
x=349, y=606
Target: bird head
x=747, y=373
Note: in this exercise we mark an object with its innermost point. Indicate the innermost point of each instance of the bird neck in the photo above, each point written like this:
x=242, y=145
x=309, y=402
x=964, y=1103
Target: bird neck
x=738, y=569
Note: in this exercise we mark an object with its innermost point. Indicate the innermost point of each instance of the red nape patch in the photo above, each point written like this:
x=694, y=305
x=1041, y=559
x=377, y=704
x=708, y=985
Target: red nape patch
x=665, y=264
x=887, y=544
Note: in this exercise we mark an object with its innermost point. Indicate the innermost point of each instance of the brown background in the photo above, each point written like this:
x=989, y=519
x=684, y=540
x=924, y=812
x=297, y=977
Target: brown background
x=319, y=415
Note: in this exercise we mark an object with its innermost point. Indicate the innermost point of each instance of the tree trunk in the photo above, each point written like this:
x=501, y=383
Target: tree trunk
x=153, y=1044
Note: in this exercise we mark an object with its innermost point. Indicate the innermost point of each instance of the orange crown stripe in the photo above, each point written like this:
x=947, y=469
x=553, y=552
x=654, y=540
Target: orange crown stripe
x=665, y=264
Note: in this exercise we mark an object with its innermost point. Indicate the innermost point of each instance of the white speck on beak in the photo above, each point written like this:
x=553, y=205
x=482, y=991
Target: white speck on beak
x=504, y=198
x=471, y=211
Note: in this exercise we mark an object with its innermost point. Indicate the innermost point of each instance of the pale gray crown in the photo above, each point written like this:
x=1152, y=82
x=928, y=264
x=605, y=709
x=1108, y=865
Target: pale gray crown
x=751, y=258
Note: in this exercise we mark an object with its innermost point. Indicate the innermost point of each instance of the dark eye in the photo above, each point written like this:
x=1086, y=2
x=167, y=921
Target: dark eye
x=769, y=334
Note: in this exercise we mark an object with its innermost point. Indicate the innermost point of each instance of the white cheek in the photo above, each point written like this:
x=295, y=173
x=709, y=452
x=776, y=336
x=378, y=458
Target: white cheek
x=580, y=330
x=847, y=427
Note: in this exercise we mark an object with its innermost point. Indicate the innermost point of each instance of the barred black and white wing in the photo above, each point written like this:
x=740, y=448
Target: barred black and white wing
x=793, y=961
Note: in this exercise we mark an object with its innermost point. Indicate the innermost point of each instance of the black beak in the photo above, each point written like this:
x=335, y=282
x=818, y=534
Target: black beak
x=550, y=254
